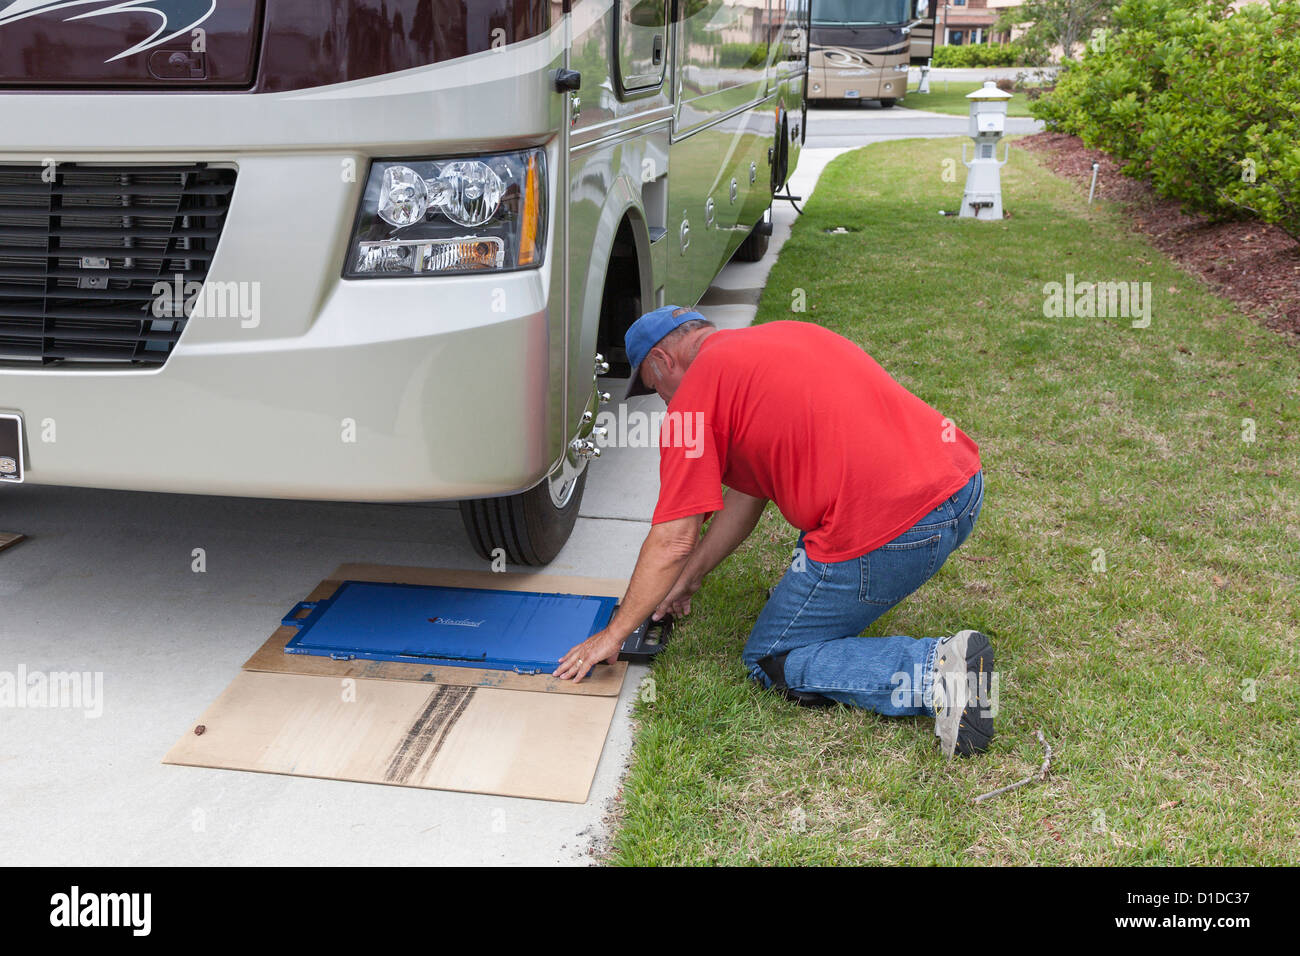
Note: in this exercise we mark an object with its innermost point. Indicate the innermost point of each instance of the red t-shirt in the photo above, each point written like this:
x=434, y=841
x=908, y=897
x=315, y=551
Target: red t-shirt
x=792, y=412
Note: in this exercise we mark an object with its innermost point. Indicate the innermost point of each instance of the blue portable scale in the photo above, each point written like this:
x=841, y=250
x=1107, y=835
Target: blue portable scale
x=524, y=631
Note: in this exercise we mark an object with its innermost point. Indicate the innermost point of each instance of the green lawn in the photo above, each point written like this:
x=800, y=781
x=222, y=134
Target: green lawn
x=1166, y=683
x=946, y=97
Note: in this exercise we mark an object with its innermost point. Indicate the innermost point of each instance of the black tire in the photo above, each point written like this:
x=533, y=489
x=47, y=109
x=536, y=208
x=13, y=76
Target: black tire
x=627, y=309
x=527, y=526
x=887, y=104
x=781, y=154
x=755, y=245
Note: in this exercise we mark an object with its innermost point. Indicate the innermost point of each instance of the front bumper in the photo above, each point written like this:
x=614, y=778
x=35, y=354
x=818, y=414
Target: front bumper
x=868, y=84
x=390, y=395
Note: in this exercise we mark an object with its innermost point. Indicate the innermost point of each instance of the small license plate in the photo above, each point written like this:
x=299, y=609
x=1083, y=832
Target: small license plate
x=852, y=95
x=11, y=448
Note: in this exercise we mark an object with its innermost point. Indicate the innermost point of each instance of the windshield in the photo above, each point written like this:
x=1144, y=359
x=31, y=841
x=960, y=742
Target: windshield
x=858, y=12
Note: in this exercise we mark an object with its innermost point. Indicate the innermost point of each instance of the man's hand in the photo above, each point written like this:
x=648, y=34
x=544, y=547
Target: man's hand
x=601, y=646
x=678, y=601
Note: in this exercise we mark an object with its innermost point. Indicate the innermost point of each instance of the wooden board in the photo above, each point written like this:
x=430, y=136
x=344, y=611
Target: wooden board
x=411, y=725
x=475, y=739
x=9, y=538
x=603, y=681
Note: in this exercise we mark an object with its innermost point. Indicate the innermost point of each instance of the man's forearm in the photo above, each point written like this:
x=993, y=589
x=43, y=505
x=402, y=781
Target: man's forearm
x=664, y=554
x=729, y=527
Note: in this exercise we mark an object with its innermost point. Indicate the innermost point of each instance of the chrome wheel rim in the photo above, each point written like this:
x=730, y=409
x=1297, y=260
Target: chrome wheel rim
x=562, y=482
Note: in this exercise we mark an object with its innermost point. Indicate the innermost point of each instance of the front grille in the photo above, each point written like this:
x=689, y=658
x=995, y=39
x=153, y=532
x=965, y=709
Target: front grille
x=81, y=249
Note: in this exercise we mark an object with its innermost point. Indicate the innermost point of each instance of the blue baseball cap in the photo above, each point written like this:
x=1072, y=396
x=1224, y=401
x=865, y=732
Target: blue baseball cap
x=644, y=334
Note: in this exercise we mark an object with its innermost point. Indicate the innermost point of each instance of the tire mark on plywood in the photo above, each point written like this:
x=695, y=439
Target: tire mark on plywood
x=424, y=738
x=464, y=695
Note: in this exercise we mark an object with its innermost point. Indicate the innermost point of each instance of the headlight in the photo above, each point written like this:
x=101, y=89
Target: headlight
x=452, y=216
x=403, y=196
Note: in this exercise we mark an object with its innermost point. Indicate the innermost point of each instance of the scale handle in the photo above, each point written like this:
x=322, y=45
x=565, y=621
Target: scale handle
x=647, y=640
x=293, y=620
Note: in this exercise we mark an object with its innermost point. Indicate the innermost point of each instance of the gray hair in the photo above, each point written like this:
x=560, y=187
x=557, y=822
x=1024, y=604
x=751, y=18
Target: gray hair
x=677, y=334
x=690, y=325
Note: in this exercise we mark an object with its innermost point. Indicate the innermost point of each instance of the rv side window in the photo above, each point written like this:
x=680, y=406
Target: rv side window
x=642, y=43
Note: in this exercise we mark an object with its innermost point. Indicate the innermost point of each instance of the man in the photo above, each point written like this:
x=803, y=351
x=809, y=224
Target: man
x=881, y=486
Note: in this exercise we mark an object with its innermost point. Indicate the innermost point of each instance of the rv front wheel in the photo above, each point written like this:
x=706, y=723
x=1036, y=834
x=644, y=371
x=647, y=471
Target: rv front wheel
x=531, y=527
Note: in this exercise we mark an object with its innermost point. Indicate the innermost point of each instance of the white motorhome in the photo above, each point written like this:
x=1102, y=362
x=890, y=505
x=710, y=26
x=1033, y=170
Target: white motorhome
x=366, y=251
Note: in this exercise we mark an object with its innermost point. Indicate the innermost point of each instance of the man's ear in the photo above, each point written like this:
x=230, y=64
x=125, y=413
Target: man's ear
x=659, y=356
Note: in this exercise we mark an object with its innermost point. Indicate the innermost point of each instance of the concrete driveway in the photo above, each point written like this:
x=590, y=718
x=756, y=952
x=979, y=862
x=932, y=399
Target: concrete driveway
x=105, y=585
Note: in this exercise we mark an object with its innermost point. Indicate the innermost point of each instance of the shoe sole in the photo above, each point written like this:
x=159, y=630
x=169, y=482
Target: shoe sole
x=967, y=727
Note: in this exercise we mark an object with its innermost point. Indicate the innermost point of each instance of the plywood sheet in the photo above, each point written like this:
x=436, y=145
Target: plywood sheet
x=603, y=681
x=404, y=733
x=9, y=538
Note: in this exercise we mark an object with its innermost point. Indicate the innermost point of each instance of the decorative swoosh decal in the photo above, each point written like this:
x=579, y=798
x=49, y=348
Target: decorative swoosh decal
x=178, y=17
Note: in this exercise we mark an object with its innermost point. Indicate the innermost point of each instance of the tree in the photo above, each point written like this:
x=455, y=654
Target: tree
x=1049, y=23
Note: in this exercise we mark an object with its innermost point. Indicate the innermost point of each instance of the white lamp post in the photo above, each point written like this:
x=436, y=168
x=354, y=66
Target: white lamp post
x=988, y=121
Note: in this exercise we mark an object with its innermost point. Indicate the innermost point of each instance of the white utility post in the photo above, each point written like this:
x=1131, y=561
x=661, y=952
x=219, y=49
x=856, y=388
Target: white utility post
x=988, y=121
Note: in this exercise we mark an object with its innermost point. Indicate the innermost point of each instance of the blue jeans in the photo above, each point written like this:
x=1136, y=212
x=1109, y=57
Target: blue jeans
x=817, y=611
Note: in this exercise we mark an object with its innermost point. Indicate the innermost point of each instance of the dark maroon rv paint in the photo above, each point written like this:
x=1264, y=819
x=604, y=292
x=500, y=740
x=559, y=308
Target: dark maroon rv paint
x=310, y=43
x=262, y=45
x=49, y=50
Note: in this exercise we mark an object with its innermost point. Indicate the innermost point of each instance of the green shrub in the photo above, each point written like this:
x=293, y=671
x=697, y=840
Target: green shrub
x=1199, y=98
x=978, y=55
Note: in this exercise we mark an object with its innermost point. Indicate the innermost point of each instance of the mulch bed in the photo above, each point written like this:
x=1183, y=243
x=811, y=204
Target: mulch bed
x=1255, y=265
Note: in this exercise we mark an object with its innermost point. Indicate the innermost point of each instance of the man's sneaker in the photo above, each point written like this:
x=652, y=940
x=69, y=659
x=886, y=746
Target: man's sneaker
x=774, y=668
x=963, y=675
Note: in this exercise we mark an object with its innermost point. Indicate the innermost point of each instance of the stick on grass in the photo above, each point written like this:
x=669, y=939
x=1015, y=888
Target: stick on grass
x=1041, y=775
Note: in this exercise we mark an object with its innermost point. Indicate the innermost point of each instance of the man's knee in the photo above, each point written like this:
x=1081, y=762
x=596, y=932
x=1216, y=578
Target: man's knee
x=756, y=648
x=757, y=674
x=764, y=635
